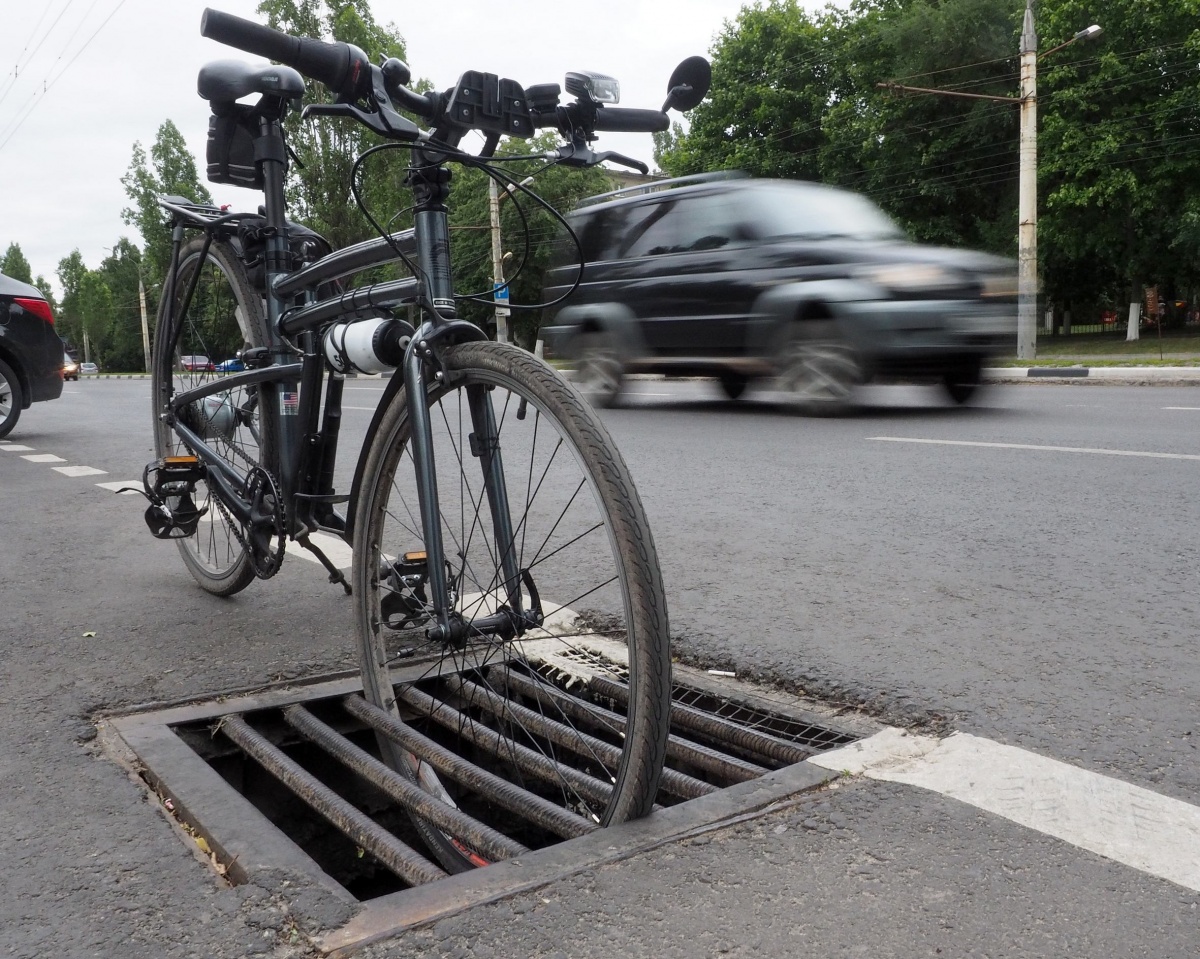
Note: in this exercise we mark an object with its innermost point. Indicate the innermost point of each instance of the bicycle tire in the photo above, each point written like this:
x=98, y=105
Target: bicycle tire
x=225, y=316
x=606, y=577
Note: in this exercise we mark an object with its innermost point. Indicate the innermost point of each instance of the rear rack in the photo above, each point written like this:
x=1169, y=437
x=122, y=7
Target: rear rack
x=664, y=184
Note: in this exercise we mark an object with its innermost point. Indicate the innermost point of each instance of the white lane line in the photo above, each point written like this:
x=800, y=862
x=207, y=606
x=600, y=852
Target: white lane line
x=1047, y=449
x=15, y=448
x=44, y=458
x=78, y=470
x=1130, y=825
x=131, y=487
x=365, y=409
x=1181, y=407
x=338, y=550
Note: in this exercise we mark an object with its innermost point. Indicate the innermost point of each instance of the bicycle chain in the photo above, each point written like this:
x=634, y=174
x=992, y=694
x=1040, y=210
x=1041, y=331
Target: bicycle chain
x=264, y=566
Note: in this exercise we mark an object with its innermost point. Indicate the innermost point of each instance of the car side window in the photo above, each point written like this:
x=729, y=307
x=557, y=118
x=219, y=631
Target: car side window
x=652, y=231
x=688, y=225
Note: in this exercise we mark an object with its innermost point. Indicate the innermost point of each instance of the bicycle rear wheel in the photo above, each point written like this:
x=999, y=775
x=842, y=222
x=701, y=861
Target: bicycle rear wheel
x=586, y=557
x=224, y=317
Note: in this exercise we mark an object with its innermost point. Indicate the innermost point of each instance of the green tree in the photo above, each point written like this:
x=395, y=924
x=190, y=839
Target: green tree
x=772, y=79
x=71, y=271
x=121, y=272
x=15, y=265
x=1118, y=170
x=169, y=169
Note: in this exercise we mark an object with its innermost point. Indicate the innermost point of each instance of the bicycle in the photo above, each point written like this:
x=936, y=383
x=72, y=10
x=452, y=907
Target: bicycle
x=497, y=535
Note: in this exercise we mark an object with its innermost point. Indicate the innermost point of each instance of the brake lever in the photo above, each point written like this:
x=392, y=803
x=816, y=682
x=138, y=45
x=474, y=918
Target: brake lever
x=384, y=119
x=581, y=155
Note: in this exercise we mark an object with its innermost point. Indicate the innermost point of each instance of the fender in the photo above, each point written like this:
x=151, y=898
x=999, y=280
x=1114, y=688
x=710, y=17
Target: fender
x=777, y=308
x=613, y=318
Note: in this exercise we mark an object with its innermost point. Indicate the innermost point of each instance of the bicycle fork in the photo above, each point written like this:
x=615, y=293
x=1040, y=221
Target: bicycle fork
x=511, y=619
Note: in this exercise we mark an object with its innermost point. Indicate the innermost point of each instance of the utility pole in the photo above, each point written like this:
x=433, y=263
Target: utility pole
x=500, y=295
x=145, y=325
x=1027, y=263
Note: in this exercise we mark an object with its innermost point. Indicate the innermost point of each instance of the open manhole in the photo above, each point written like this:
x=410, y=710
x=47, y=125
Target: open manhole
x=285, y=785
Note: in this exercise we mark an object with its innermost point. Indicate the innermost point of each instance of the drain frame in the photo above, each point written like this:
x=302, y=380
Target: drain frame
x=253, y=849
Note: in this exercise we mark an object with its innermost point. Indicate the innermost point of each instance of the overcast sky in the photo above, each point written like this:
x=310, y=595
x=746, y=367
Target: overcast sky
x=82, y=80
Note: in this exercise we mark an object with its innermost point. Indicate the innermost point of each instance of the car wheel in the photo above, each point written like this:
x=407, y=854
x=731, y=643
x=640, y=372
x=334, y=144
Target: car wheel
x=598, y=373
x=819, y=371
x=734, y=384
x=962, y=381
x=10, y=399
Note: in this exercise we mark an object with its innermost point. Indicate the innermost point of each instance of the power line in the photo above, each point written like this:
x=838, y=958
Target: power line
x=49, y=83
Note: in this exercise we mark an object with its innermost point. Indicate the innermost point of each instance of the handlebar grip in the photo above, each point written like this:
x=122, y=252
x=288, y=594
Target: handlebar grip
x=629, y=120
x=340, y=66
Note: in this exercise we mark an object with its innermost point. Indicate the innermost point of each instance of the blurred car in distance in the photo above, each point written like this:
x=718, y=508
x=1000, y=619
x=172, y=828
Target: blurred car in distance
x=807, y=287
x=70, y=368
x=196, y=363
x=88, y=369
x=31, y=354
x=234, y=365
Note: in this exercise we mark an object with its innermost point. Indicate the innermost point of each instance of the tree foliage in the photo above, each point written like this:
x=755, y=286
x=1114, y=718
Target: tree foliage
x=170, y=169
x=15, y=265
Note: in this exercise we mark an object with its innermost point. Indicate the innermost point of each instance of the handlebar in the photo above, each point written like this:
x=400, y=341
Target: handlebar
x=346, y=70
x=342, y=67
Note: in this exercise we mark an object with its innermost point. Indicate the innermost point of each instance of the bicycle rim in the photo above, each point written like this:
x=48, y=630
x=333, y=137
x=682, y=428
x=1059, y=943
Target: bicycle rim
x=585, y=551
x=223, y=318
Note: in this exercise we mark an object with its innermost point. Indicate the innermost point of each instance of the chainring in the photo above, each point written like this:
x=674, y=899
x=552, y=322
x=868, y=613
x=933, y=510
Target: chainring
x=265, y=537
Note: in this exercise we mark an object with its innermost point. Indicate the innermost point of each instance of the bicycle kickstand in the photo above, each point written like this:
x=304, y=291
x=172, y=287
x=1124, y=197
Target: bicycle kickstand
x=335, y=574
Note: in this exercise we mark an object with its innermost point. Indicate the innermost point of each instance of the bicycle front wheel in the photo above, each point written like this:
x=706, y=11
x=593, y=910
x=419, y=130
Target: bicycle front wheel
x=517, y=703
x=191, y=348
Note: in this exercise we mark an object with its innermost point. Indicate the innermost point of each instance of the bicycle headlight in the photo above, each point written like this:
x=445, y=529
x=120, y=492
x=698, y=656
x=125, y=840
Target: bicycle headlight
x=595, y=87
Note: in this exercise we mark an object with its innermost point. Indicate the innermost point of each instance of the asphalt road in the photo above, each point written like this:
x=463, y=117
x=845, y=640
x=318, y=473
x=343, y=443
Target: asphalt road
x=1023, y=569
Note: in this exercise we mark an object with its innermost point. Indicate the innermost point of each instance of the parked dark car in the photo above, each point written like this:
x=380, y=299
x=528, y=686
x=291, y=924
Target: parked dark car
x=31, y=354
x=808, y=286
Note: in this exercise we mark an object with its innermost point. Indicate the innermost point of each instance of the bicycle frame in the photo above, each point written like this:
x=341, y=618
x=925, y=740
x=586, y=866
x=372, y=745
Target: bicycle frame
x=306, y=449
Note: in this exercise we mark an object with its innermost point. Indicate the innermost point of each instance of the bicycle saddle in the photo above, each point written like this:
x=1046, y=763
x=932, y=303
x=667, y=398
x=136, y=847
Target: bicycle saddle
x=224, y=81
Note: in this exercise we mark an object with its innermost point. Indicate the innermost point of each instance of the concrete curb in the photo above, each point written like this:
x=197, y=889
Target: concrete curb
x=1122, y=375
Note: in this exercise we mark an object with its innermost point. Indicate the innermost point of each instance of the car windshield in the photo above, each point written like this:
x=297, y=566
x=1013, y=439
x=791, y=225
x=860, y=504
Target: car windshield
x=820, y=213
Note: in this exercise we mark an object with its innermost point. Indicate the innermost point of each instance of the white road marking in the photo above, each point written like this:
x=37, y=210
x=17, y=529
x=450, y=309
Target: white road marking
x=131, y=487
x=78, y=470
x=1047, y=449
x=44, y=458
x=1128, y=824
x=15, y=448
x=365, y=409
x=1181, y=407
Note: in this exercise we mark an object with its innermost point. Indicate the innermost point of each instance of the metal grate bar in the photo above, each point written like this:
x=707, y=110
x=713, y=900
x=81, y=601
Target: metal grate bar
x=782, y=727
x=687, y=717
x=529, y=761
x=679, y=749
x=355, y=825
x=527, y=805
x=481, y=838
x=673, y=782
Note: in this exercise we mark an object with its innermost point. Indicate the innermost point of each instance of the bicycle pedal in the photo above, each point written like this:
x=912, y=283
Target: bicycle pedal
x=172, y=478
x=177, y=523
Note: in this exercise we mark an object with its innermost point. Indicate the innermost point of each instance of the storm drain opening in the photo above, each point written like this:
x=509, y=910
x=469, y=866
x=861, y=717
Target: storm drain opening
x=299, y=770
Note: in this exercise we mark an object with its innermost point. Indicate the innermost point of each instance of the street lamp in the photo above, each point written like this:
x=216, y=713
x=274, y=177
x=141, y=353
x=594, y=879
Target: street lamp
x=1027, y=265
